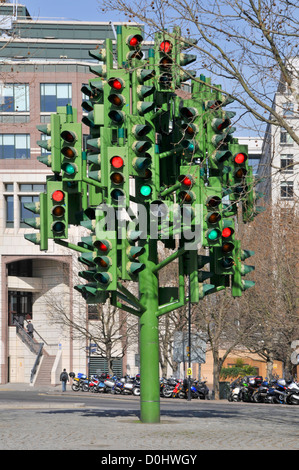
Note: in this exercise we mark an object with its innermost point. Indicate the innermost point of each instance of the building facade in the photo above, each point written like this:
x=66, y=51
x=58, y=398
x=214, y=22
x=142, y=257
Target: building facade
x=43, y=64
x=277, y=171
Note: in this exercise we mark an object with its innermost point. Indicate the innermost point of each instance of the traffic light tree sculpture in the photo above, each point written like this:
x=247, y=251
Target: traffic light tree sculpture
x=168, y=164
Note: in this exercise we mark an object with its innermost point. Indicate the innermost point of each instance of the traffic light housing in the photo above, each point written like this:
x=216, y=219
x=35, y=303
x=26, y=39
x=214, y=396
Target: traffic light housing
x=40, y=222
x=236, y=178
x=142, y=159
x=219, y=136
x=52, y=145
x=118, y=178
x=71, y=151
x=57, y=209
x=211, y=198
x=238, y=284
x=223, y=255
x=190, y=131
x=103, y=263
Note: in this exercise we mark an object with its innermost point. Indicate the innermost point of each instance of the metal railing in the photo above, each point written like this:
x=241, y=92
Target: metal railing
x=35, y=347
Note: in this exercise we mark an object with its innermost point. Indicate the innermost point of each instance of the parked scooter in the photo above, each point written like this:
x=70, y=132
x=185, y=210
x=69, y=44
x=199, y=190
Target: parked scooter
x=235, y=390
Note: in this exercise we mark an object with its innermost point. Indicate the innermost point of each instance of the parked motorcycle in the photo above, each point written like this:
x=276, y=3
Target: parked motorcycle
x=198, y=389
x=80, y=383
x=167, y=387
x=201, y=390
x=129, y=386
x=250, y=384
x=293, y=393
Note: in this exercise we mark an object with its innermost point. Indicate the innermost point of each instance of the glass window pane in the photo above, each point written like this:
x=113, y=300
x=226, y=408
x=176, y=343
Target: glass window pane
x=26, y=187
x=21, y=98
x=22, y=146
x=39, y=187
x=8, y=146
x=62, y=90
x=6, y=98
x=9, y=211
x=25, y=213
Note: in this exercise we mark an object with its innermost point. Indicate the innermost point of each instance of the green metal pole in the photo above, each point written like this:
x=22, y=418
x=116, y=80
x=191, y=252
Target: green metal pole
x=149, y=337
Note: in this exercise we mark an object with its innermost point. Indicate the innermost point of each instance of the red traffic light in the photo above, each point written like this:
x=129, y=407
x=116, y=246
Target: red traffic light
x=134, y=40
x=186, y=180
x=240, y=158
x=117, y=162
x=102, y=245
x=116, y=83
x=58, y=196
x=166, y=46
x=227, y=232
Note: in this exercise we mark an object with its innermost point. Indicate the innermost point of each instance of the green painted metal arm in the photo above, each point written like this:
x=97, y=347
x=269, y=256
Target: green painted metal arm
x=131, y=297
x=181, y=300
x=168, y=260
x=72, y=246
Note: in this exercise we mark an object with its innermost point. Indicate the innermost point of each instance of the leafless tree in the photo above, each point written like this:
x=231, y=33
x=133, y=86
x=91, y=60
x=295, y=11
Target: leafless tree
x=249, y=45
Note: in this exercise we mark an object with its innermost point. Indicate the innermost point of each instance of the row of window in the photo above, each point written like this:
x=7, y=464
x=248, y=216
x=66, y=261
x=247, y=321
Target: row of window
x=286, y=192
x=17, y=146
x=14, y=97
x=22, y=200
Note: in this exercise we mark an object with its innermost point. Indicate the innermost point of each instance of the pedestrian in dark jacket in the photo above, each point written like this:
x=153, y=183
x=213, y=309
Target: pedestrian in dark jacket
x=30, y=329
x=64, y=377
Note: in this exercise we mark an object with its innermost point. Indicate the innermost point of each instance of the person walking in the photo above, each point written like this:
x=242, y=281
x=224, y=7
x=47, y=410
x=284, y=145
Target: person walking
x=30, y=329
x=64, y=379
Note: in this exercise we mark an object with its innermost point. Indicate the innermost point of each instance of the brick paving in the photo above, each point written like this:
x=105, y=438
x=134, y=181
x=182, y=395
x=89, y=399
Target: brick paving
x=66, y=426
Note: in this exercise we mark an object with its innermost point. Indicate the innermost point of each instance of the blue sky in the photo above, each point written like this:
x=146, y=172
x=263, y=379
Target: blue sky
x=85, y=10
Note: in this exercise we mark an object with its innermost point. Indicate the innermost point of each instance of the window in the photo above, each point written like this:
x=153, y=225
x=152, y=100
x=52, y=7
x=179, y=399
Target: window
x=14, y=146
x=254, y=162
x=22, y=268
x=25, y=213
x=19, y=306
x=14, y=97
x=9, y=211
x=40, y=188
x=286, y=163
x=287, y=190
x=285, y=138
x=53, y=95
x=288, y=109
x=43, y=150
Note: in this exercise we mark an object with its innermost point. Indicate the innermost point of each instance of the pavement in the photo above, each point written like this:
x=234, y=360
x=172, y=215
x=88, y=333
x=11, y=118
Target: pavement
x=118, y=433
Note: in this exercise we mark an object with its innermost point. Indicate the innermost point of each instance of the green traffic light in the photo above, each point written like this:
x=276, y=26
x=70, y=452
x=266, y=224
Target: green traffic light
x=145, y=190
x=69, y=169
x=213, y=234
